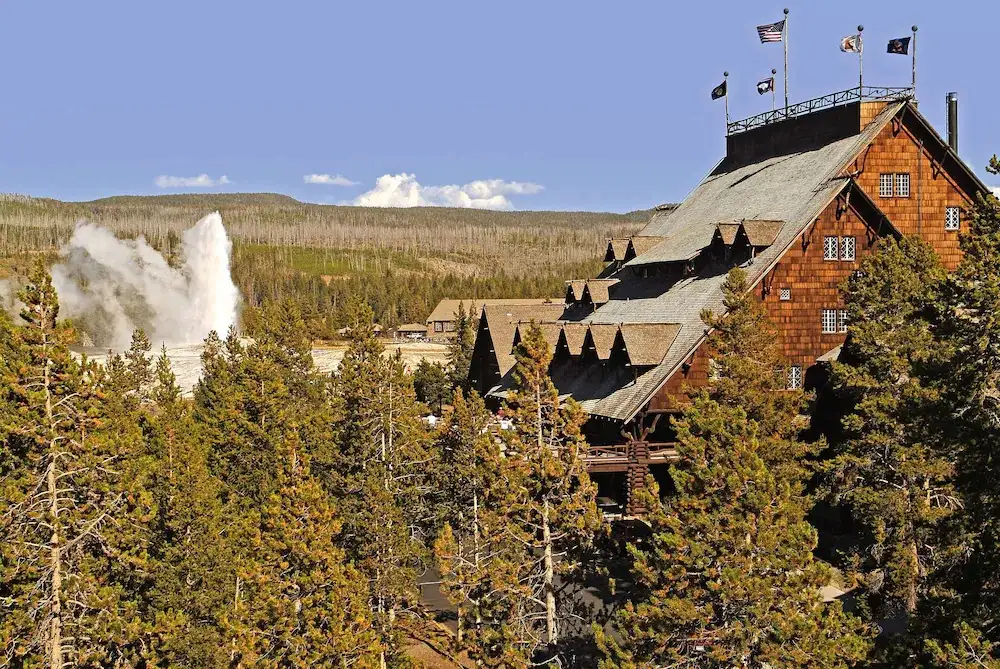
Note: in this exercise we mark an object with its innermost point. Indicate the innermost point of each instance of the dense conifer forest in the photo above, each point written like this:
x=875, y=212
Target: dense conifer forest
x=287, y=518
x=402, y=262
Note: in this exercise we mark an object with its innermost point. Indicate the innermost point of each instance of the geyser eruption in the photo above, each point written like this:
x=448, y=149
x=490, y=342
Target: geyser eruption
x=112, y=286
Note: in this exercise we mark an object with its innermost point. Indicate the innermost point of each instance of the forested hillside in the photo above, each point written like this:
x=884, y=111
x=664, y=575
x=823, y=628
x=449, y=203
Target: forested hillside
x=402, y=261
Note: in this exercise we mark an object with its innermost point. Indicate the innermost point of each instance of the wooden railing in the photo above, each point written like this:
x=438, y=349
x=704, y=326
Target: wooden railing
x=622, y=453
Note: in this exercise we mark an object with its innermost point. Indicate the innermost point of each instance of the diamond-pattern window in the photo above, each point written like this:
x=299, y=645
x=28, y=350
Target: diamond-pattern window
x=794, y=377
x=830, y=248
x=785, y=294
x=847, y=248
x=952, y=218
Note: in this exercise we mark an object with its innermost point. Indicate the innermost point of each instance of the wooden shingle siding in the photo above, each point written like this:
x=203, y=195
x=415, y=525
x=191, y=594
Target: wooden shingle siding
x=896, y=151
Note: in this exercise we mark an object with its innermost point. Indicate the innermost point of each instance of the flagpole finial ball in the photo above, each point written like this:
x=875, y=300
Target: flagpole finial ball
x=860, y=28
x=913, y=28
x=773, y=71
x=725, y=74
x=786, y=11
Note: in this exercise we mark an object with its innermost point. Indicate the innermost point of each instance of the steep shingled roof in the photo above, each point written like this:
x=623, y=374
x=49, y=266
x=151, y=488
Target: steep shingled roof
x=640, y=244
x=574, y=334
x=794, y=188
x=502, y=321
x=648, y=343
x=728, y=230
x=597, y=289
x=574, y=288
x=447, y=309
x=616, y=249
x=761, y=233
x=600, y=339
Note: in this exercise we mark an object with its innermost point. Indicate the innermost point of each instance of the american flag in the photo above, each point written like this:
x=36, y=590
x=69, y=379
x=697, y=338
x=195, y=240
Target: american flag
x=771, y=32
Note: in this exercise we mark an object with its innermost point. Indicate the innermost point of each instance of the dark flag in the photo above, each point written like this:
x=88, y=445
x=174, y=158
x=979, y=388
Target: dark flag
x=771, y=32
x=900, y=46
x=719, y=91
x=765, y=86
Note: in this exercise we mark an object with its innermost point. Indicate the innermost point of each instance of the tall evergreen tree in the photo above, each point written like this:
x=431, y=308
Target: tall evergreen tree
x=728, y=578
x=887, y=466
x=379, y=478
x=552, y=512
x=65, y=599
x=749, y=372
x=461, y=346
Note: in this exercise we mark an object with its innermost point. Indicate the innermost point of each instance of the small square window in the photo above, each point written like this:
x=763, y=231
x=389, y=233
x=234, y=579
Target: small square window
x=438, y=326
x=952, y=218
x=902, y=185
x=885, y=185
x=842, y=321
x=829, y=321
x=794, y=377
x=830, y=248
x=847, y=247
x=785, y=294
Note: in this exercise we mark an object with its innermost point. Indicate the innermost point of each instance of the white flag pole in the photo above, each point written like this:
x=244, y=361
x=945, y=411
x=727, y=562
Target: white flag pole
x=784, y=41
x=914, y=81
x=861, y=63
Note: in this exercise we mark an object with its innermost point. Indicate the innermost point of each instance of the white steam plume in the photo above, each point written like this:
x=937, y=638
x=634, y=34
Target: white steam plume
x=112, y=286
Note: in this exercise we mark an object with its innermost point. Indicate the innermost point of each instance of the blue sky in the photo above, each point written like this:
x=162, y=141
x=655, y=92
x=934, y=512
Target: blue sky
x=581, y=105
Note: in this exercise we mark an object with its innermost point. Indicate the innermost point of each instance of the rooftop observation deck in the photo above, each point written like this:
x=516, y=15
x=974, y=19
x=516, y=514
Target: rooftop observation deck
x=852, y=95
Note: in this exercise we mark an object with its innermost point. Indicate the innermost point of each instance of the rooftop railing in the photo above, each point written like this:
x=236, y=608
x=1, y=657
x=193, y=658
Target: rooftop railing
x=866, y=93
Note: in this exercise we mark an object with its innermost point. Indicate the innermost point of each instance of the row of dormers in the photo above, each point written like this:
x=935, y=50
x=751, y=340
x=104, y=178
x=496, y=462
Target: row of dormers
x=594, y=292
x=636, y=344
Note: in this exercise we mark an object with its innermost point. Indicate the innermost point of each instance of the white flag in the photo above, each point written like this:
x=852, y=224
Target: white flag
x=851, y=44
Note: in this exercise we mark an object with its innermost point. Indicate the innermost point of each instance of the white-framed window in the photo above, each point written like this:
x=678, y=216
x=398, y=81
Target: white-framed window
x=842, y=321
x=903, y=185
x=885, y=185
x=847, y=248
x=785, y=294
x=830, y=248
x=794, y=377
x=438, y=326
x=952, y=218
x=829, y=321
x=449, y=326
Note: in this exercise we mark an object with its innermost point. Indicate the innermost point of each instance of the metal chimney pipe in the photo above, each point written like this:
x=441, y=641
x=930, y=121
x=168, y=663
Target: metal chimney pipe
x=953, y=121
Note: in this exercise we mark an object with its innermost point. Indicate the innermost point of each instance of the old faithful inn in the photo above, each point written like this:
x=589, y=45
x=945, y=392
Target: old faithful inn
x=799, y=199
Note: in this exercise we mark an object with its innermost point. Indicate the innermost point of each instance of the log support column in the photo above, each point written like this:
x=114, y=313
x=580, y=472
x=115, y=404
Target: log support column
x=638, y=470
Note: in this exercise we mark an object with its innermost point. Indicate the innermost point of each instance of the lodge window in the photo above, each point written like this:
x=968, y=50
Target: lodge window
x=438, y=326
x=829, y=321
x=903, y=185
x=952, y=218
x=449, y=326
x=847, y=247
x=894, y=185
x=794, y=377
x=842, y=321
x=830, y=248
x=785, y=294
x=885, y=185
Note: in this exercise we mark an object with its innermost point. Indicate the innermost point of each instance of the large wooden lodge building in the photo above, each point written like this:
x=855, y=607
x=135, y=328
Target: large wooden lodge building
x=800, y=197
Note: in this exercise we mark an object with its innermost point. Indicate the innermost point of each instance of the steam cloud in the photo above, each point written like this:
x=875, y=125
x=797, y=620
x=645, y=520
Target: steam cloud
x=111, y=287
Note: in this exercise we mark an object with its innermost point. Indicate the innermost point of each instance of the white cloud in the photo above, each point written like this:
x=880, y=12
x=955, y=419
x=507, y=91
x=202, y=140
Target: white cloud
x=329, y=180
x=200, y=181
x=996, y=190
x=403, y=190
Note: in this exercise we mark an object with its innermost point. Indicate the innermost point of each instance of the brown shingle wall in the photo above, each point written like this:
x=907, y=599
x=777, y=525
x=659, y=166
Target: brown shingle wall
x=895, y=150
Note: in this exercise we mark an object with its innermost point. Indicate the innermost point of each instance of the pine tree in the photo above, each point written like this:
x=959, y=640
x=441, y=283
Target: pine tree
x=379, y=478
x=194, y=538
x=970, y=388
x=748, y=372
x=472, y=487
x=66, y=597
x=300, y=604
x=887, y=466
x=551, y=514
x=430, y=382
x=461, y=346
x=728, y=577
